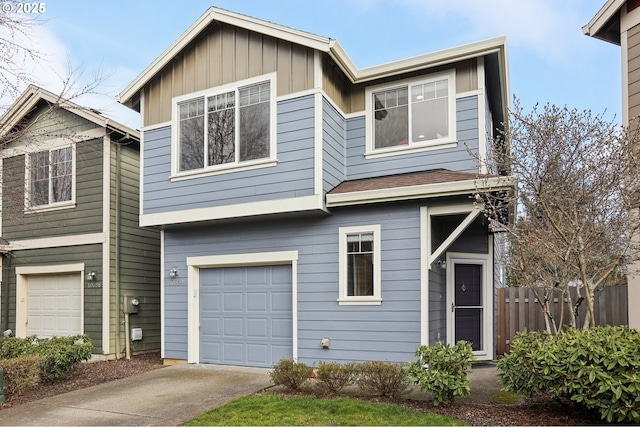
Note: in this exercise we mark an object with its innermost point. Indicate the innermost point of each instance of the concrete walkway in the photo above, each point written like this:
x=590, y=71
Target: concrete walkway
x=175, y=394
x=167, y=396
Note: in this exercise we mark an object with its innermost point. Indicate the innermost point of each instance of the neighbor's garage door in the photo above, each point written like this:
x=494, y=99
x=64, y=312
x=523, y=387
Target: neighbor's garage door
x=54, y=305
x=245, y=315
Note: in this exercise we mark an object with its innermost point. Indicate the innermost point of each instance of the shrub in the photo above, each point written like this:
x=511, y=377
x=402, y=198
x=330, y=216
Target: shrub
x=383, y=379
x=20, y=373
x=56, y=354
x=335, y=376
x=290, y=374
x=442, y=370
x=598, y=368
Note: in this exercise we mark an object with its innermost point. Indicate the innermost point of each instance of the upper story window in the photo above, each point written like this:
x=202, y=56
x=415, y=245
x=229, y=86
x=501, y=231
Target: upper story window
x=411, y=114
x=50, y=178
x=225, y=128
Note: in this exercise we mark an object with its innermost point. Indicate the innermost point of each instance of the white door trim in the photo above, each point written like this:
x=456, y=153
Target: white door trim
x=485, y=260
x=194, y=264
x=22, y=279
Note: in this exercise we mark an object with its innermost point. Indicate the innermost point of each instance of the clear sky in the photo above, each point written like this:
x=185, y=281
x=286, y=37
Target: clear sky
x=550, y=59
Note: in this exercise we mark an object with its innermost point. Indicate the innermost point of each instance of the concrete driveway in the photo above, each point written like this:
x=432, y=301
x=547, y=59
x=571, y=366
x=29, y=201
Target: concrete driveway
x=167, y=396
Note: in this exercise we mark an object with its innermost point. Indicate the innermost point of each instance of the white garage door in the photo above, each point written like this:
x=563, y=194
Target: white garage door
x=246, y=315
x=54, y=305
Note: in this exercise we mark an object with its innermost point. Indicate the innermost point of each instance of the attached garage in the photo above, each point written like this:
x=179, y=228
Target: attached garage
x=54, y=305
x=245, y=315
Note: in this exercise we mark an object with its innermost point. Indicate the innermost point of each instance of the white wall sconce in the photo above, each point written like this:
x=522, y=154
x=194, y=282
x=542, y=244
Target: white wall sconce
x=442, y=264
x=173, y=272
x=91, y=276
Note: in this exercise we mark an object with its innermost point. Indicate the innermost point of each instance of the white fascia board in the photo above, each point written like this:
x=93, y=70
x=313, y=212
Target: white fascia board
x=429, y=60
x=419, y=191
x=606, y=12
x=227, y=17
x=242, y=210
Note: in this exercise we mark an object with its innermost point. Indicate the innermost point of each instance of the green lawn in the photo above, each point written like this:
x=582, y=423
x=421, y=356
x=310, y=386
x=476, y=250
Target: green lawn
x=273, y=410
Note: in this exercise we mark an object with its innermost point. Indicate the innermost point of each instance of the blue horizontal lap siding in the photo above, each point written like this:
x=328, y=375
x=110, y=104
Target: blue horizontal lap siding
x=333, y=138
x=356, y=332
x=292, y=176
x=457, y=158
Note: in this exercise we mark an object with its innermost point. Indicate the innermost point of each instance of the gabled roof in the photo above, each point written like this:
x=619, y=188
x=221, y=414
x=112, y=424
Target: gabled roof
x=34, y=94
x=605, y=25
x=323, y=44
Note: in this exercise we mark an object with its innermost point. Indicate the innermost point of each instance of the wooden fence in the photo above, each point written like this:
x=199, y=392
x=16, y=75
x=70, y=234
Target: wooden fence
x=518, y=309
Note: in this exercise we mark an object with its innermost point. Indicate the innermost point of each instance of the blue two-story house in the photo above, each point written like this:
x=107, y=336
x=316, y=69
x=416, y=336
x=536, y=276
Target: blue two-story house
x=312, y=209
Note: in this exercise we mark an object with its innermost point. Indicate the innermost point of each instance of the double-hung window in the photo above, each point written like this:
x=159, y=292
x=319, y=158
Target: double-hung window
x=225, y=128
x=411, y=114
x=49, y=176
x=359, y=265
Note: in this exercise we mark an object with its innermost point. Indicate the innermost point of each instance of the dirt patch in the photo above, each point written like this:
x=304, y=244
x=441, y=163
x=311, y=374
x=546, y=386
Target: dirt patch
x=84, y=375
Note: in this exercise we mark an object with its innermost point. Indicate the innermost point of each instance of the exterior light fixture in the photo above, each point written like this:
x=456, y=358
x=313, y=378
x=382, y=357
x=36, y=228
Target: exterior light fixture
x=91, y=275
x=173, y=272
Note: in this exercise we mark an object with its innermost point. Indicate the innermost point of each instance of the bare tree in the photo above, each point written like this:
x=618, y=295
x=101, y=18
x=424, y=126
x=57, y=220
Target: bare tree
x=577, y=179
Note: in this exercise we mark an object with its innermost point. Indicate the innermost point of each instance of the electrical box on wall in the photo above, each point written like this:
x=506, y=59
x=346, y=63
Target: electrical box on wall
x=131, y=304
x=136, y=334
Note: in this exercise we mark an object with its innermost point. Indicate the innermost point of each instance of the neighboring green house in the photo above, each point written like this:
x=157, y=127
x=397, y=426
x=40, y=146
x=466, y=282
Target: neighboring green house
x=73, y=254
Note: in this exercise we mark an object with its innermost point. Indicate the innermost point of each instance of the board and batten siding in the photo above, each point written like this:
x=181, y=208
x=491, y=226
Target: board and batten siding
x=456, y=159
x=225, y=54
x=134, y=254
x=293, y=176
x=633, y=53
x=390, y=331
x=85, y=217
x=90, y=255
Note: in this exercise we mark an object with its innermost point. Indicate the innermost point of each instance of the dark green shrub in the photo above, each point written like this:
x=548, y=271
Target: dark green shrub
x=59, y=354
x=598, y=368
x=56, y=354
x=442, y=370
x=20, y=373
x=290, y=374
x=335, y=376
x=383, y=379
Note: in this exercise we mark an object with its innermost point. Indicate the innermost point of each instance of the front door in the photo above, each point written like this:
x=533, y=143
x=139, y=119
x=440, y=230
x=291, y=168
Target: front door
x=468, y=304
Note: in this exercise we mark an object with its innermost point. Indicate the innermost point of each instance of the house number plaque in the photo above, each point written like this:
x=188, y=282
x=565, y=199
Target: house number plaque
x=93, y=284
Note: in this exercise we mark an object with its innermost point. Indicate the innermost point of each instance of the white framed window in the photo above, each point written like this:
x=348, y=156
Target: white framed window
x=225, y=128
x=50, y=178
x=411, y=114
x=359, y=265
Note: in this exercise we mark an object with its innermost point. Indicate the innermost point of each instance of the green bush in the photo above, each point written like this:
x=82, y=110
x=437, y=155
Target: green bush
x=598, y=368
x=442, y=370
x=383, y=379
x=290, y=374
x=57, y=354
x=335, y=376
x=20, y=373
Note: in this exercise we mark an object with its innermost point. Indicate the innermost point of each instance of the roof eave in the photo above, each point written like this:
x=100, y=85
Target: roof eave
x=454, y=188
x=600, y=20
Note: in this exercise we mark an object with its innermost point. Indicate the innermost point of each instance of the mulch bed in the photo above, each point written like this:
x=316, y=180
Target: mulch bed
x=534, y=411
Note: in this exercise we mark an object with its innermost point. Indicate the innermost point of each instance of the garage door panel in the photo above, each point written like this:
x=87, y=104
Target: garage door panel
x=257, y=328
x=255, y=314
x=257, y=302
x=233, y=302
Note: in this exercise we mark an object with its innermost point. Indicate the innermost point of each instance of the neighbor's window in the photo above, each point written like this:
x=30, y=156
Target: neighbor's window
x=225, y=128
x=414, y=114
x=50, y=177
x=360, y=265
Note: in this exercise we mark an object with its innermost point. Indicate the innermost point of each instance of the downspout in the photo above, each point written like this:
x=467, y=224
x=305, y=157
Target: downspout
x=6, y=269
x=117, y=244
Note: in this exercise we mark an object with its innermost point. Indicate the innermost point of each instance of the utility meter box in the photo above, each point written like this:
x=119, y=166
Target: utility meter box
x=131, y=304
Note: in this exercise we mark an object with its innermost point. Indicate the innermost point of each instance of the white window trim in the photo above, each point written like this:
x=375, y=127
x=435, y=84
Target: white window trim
x=450, y=141
x=176, y=174
x=27, y=183
x=344, y=299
